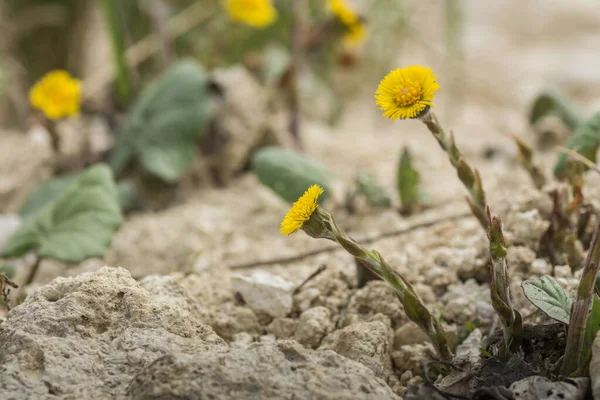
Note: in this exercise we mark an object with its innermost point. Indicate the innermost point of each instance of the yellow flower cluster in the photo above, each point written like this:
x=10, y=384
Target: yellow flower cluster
x=356, y=31
x=407, y=92
x=256, y=13
x=301, y=211
x=57, y=94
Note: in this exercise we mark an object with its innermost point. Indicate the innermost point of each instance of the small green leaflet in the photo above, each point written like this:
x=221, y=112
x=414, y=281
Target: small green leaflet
x=549, y=296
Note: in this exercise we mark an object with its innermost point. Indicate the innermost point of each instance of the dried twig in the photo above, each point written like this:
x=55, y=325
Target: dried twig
x=4, y=282
x=312, y=276
x=575, y=155
x=329, y=249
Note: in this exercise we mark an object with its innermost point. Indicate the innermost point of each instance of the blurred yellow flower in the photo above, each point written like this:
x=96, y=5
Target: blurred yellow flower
x=407, y=92
x=301, y=211
x=256, y=13
x=356, y=30
x=57, y=94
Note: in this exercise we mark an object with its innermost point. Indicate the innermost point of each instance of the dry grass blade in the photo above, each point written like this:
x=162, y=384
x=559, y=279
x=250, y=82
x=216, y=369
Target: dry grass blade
x=575, y=155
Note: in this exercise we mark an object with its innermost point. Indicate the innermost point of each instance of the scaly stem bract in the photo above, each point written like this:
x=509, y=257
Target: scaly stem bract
x=581, y=308
x=512, y=325
x=468, y=176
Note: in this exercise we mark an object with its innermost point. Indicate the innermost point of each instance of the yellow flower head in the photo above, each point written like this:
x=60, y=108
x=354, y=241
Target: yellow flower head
x=301, y=211
x=57, y=94
x=407, y=92
x=355, y=27
x=256, y=13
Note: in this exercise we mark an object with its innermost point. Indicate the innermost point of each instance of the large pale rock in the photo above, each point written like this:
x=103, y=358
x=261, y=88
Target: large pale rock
x=313, y=325
x=277, y=370
x=368, y=343
x=265, y=292
x=86, y=337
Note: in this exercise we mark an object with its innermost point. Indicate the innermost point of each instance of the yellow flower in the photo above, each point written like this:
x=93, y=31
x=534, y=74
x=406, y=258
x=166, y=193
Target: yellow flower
x=301, y=211
x=257, y=13
x=57, y=94
x=407, y=92
x=355, y=27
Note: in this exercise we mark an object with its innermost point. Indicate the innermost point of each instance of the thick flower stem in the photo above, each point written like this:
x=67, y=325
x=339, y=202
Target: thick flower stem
x=581, y=308
x=413, y=306
x=468, y=175
x=512, y=324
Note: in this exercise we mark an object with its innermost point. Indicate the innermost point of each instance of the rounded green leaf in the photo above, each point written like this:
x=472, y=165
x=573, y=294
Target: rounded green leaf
x=376, y=194
x=76, y=224
x=552, y=102
x=585, y=141
x=164, y=125
x=289, y=173
x=549, y=296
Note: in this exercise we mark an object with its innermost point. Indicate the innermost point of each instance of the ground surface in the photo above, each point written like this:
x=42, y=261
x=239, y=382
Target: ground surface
x=511, y=51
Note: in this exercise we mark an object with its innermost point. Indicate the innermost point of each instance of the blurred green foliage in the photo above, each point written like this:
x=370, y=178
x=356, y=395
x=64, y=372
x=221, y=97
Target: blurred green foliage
x=71, y=224
x=289, y=173
x=585, y=141
x=165, y=124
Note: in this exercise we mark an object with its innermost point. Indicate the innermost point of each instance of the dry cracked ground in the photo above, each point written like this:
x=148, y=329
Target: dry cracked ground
x=204, y=299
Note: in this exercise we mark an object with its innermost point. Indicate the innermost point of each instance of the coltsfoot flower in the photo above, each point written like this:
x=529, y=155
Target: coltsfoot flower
x=407, y=92
x=57, y=94
x=256, y=13
x=356, y=30
x=301, y=211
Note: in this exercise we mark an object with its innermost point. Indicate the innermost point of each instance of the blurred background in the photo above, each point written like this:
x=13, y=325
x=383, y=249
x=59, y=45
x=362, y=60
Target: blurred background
x=152, y=71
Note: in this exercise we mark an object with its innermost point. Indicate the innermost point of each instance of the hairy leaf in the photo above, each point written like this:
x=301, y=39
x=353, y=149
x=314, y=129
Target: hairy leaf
x=549, y=296
x=289, y=173
x=164, y=125
x=585, y=141
x=376, y=194
x=77, y=223
x=552, y=102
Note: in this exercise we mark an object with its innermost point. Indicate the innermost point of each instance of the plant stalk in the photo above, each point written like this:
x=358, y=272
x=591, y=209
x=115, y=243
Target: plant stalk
x=467, y=175
x=322, y=225
x=512, y=324
x=114, y=26
x=581, y=308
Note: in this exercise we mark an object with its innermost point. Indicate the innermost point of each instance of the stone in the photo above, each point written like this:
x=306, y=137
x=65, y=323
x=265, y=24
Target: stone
x=460, y=301
x=313, y=325
x=519, y=259
x=377, y=297
x=409, y=357
x=541, y=388
x=264, y=292
x=232, y=319
x=525, y=228
x=278, y=370
x=408, y=333
x=88, y=336
x=540, y=267
x=368, y=343
x=283, y=328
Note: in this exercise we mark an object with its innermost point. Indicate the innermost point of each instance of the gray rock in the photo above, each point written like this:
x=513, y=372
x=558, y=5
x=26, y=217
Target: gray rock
x=540, y=388
x=283, y=328
x=86, y=337
x=281, y=370
x=313, y=325
x=368, y=343
x=265, y=292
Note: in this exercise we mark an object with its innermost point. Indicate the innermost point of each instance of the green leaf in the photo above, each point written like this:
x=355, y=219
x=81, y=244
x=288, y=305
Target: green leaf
x=585, y=141
x=375, y=193
x=166, y=122
x=289, y=173
x=77, y=223
x=46, y=193
x=407, y=181
x=9, y=270
x=592, y=326
x=549, y=296
x=552, y=102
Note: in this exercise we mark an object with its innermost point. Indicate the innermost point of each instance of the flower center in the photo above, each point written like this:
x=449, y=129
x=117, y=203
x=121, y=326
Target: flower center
x=408, y=93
